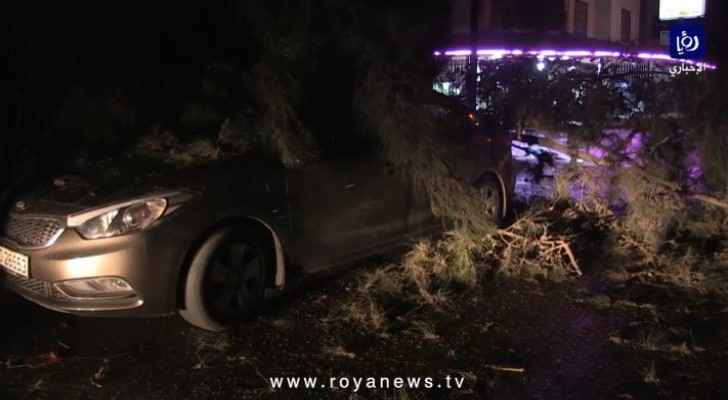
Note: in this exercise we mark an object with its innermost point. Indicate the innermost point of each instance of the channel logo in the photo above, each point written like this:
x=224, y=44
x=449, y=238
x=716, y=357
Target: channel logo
x=687, y=41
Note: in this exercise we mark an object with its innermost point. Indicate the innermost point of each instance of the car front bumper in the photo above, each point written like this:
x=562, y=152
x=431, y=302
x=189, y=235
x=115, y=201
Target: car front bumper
x=149, y=273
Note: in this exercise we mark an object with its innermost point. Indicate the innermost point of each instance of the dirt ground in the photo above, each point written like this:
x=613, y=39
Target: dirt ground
x=586, y=339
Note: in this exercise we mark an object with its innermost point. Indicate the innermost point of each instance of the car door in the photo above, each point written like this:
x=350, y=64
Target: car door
x=345, y=208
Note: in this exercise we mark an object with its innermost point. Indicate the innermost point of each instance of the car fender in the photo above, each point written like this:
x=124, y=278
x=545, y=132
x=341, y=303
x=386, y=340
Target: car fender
x=263, y=219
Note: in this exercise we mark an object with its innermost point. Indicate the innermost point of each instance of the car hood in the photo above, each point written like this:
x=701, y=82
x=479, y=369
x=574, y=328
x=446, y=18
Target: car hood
x=93, y=185
x=113, y=181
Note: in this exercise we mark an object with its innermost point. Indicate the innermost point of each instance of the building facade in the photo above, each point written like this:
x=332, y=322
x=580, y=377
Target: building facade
x=617, y=21
x=618, y=37
x=608, y=20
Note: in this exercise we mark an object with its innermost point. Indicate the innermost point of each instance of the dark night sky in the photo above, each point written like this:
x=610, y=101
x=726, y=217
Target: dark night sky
x=71, y=40
x=149, y=48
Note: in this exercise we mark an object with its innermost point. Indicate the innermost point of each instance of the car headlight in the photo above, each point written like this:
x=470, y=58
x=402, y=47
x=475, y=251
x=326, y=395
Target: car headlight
x=126, y=218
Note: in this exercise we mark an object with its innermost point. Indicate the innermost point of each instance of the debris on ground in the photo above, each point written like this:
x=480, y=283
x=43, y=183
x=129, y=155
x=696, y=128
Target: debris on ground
x=339, y=352
x=535, y=246
x=506, y=369
x=101, y=373
x=44, y=360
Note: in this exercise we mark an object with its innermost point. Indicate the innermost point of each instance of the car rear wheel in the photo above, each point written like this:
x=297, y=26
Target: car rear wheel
x=226, y=281
x=491, y=195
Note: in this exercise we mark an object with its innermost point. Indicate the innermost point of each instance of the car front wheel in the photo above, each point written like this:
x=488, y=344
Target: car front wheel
x=226, y=280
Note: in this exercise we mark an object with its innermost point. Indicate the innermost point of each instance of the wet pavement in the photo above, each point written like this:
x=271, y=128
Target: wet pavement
x=592, y=338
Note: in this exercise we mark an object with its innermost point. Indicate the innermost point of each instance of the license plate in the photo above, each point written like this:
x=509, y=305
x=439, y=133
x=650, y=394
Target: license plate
x=14, y=263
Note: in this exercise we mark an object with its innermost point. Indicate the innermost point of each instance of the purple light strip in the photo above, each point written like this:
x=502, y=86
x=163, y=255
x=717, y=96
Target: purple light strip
x=614, y=54
x=458, y=52
x=578, y=53
x=652, y=56
x=497, y=53
x=494, y=52
x=549, y=53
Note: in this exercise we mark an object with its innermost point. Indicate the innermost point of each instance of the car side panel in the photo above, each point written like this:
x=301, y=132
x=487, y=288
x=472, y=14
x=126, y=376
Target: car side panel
x=470, y=154
x=344, y=207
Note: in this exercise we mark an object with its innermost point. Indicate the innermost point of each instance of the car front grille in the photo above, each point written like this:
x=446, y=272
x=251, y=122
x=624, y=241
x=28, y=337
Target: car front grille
x=32, y=231
x=35, y=286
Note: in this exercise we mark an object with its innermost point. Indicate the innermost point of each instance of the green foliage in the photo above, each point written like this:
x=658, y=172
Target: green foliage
x=652, y=212
x=280, y=126
x=681, y=114
x=685, y=114
x=390, y=103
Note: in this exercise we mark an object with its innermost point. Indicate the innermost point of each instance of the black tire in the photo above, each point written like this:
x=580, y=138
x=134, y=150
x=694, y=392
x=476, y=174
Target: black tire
x=226, y=280
x=491, y=193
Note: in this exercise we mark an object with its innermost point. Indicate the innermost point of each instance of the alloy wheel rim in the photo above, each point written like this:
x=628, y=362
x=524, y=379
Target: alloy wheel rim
x=234, y=280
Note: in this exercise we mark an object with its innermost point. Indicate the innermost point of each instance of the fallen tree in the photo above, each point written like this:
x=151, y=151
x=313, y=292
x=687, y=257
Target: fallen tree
x=576, y=149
